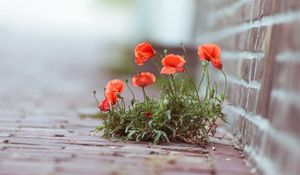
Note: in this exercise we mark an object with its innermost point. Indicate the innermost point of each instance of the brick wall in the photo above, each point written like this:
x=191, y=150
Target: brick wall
x=261, y=55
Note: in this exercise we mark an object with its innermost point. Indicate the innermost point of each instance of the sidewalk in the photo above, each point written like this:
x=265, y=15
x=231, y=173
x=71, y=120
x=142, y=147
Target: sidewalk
x=60, y=145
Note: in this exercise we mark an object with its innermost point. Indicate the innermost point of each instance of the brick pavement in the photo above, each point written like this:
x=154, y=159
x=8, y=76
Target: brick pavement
x=63, y=144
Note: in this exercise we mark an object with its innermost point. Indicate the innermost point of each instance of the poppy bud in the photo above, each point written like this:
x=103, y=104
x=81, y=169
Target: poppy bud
x=119, y=95
x=132, y=101
x=147, y=115
x=165, y=51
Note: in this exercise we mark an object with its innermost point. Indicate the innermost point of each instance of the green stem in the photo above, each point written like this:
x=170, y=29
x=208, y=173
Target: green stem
x=170, y=86
x=216, y=89
x=130, y=91
x=210, y=124
x=112, y=108
x=118, y=104
x=145, y=96
x=207, y=80
x=124, y=106
x=225, y=89
x=175, y=89
x=173, y=80
x=183, y=49
x=97, y=101
x=200, y=84
x=193, y=85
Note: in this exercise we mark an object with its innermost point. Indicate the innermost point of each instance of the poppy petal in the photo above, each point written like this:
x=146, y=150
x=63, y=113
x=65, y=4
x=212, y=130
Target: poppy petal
x=143, y=52
x=168, y=70
x=143, y=79
x=104, y=105
x=172, y=64
x=210, y=51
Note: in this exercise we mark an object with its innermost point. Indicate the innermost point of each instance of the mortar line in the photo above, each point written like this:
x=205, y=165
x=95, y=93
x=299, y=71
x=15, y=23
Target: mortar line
x=290, y=141
x=285, y=95
x=228, y=55
x=262, y=162
x=218, y=35
x=229, y=10
x=251, y=84
x=288, y=56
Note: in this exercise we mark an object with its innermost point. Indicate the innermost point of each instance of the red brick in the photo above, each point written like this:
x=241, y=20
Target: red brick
x=289, y=110
x=283, y=73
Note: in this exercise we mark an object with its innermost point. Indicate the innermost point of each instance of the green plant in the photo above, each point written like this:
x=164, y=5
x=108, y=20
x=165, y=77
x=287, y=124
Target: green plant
x=178, y=114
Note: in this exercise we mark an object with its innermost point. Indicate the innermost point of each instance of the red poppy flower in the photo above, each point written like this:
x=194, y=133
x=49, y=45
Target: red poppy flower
x=143, y=52
x=207, y=52
x=112, y=88
x=147, y=115
x=111, y=97
x=115, y=85
x=143, y=79
x=217, y=63
x=104, y=105
x=172, y=64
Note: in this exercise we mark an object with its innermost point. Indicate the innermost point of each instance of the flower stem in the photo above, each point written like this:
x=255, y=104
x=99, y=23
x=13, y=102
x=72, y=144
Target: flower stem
x=97, y=101
x=145, y=95
x=193, y=85
x=225, y=88
x=173, y=80
x=200, y=84
x=170, y=86
x=124, y=106
x=130, y=91
x=118, y=105
x=207, y=80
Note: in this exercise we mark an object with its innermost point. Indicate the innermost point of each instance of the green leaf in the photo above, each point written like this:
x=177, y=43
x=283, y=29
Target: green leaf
x=99, y=128
x=222, y=96
x=144, y=134
x=130, y=134
x=150, y=124
x=172, y=129
x=157, y=137
x=168, y=114
x=127, y=128
x=204, y=132
x=138, y=137
x=223, y=118
x=165, y=136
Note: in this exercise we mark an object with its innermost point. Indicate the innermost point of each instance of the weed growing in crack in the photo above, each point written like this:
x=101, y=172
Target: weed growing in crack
x=178, y=114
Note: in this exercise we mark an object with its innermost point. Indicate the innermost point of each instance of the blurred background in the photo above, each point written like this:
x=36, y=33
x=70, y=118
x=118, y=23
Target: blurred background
x=55, y=52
